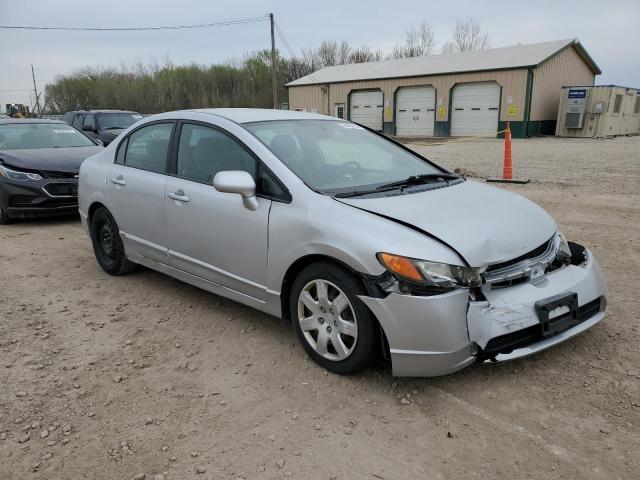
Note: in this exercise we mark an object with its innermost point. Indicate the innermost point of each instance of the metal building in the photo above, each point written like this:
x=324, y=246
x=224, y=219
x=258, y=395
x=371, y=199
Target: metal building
x=461, y=94
x=598, y=111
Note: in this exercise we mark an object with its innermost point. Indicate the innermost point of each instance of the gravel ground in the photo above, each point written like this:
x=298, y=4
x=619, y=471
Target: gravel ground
x=145, y=377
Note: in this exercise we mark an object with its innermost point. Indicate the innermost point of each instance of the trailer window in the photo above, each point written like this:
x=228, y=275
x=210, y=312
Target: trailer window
x=618, y=104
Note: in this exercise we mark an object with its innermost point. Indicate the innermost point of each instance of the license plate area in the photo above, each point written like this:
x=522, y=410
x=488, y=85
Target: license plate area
x=557, y=314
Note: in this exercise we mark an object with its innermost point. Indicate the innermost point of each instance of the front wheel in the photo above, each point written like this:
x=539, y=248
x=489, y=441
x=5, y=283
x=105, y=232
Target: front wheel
x=4, y=216
x=335, y=328
x=107, y=244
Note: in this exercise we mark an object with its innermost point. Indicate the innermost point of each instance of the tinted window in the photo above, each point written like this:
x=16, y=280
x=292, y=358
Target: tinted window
x=77, y=122
x=89, y=121
x=117, y=121
x=147, y=148
x=204, y=151
x=68, y=117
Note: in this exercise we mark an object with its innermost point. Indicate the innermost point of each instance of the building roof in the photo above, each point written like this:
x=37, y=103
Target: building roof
x=520, y=56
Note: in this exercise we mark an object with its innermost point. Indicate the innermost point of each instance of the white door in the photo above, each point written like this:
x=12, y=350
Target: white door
x=366, y=109
x=415, y=111
x=475, y=109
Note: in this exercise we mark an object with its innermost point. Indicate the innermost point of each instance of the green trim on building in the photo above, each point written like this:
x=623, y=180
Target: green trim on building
x=441, y=129
x=518, y=129
x=537, y=128
x=527, y=99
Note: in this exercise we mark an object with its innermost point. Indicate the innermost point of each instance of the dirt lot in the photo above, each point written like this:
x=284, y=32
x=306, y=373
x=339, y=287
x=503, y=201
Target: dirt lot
x=111, y=378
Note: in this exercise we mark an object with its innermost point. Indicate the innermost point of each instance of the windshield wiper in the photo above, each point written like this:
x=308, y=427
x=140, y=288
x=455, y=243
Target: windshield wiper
x=418, y=179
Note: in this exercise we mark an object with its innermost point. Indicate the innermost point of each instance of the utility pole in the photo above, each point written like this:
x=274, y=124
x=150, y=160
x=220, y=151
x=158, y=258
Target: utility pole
x=274, y=76
x=35, y=89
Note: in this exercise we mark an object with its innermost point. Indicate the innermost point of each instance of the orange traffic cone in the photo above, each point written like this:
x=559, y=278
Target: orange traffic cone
x=507, y=166
x=507, y=169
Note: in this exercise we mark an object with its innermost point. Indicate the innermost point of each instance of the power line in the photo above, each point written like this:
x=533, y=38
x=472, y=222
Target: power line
x=283, y=37
x=223, y=23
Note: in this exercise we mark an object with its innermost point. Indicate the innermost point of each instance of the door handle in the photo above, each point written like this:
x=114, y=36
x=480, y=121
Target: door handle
x=179, y=196
x=119, y=180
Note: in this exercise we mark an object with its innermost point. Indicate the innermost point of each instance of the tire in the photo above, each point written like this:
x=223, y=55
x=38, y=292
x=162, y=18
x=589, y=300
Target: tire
x=4, y=216
x=107, y=244
x=336, y=326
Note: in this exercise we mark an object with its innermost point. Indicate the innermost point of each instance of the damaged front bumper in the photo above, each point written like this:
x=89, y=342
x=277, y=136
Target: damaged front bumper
x=440, y=334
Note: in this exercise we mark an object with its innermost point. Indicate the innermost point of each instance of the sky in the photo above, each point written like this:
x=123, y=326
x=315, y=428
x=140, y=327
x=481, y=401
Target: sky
x=609, y=30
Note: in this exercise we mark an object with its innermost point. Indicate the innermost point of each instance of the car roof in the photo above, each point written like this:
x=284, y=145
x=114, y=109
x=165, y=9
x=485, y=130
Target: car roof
x=101, y=110
x=247, y=115
x=30, y=120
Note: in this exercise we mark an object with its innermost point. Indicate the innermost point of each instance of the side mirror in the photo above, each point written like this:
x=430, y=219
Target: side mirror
x=236, y=181
x=99, y=142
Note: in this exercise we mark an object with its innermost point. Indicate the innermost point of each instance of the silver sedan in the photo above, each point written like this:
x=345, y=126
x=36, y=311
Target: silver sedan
x=367, y=248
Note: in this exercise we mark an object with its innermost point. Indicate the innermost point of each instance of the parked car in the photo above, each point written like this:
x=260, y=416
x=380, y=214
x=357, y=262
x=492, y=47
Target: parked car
x=361, y=243
x=104, y=125
x=39, y=163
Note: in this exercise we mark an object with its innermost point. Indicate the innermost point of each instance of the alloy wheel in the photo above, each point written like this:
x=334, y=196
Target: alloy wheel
x=327, y=320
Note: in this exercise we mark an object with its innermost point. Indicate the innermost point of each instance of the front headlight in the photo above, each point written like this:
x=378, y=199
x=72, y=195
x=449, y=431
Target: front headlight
x=19, y=176
x=431, y=274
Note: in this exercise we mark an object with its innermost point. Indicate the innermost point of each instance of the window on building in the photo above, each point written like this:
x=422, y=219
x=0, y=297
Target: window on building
x=636, y=109
x=618, y=104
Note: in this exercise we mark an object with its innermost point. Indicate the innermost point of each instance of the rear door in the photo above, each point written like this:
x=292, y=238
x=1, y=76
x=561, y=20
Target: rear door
x=211, y=234
x=136, y=188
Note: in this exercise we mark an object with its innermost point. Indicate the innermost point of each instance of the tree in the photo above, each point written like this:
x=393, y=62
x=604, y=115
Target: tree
x=418, y=42
x=364, y=54
x=467, y=36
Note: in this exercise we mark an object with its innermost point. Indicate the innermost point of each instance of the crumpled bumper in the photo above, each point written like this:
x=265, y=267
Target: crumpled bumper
x=438, y=335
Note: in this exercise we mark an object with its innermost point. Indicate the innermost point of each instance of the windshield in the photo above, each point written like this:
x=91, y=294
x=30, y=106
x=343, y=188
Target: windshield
x=16, y=136
x=332, y=156
x=107, y=121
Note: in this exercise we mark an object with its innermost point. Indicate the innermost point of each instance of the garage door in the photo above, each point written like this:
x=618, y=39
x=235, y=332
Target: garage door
x=474, y=109
x=366, y=109
x=415, y=111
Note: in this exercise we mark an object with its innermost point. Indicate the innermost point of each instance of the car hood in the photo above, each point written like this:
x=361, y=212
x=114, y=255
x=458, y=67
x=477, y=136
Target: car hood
x=52, y=159
x=484, y=224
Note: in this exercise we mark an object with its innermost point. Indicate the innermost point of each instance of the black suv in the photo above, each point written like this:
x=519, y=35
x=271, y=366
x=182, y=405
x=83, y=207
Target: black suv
x=104, y=125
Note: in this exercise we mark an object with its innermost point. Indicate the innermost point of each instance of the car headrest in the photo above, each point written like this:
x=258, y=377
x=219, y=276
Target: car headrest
x=283, y=146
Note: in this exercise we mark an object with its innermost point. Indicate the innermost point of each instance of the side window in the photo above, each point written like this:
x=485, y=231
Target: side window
x=204, y=151
x=268, y=185
x=147, y=148
x=122, y=149
x=77, y=122
x=618, y=104
x=89, y=121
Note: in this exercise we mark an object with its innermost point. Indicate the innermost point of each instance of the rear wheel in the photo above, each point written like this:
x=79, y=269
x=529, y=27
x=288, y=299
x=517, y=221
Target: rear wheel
x=335, y=328
x=107, y=244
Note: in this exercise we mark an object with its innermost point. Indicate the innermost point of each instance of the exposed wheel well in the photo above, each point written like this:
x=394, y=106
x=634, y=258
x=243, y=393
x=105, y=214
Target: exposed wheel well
x=297, y=266
x=92, y=209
